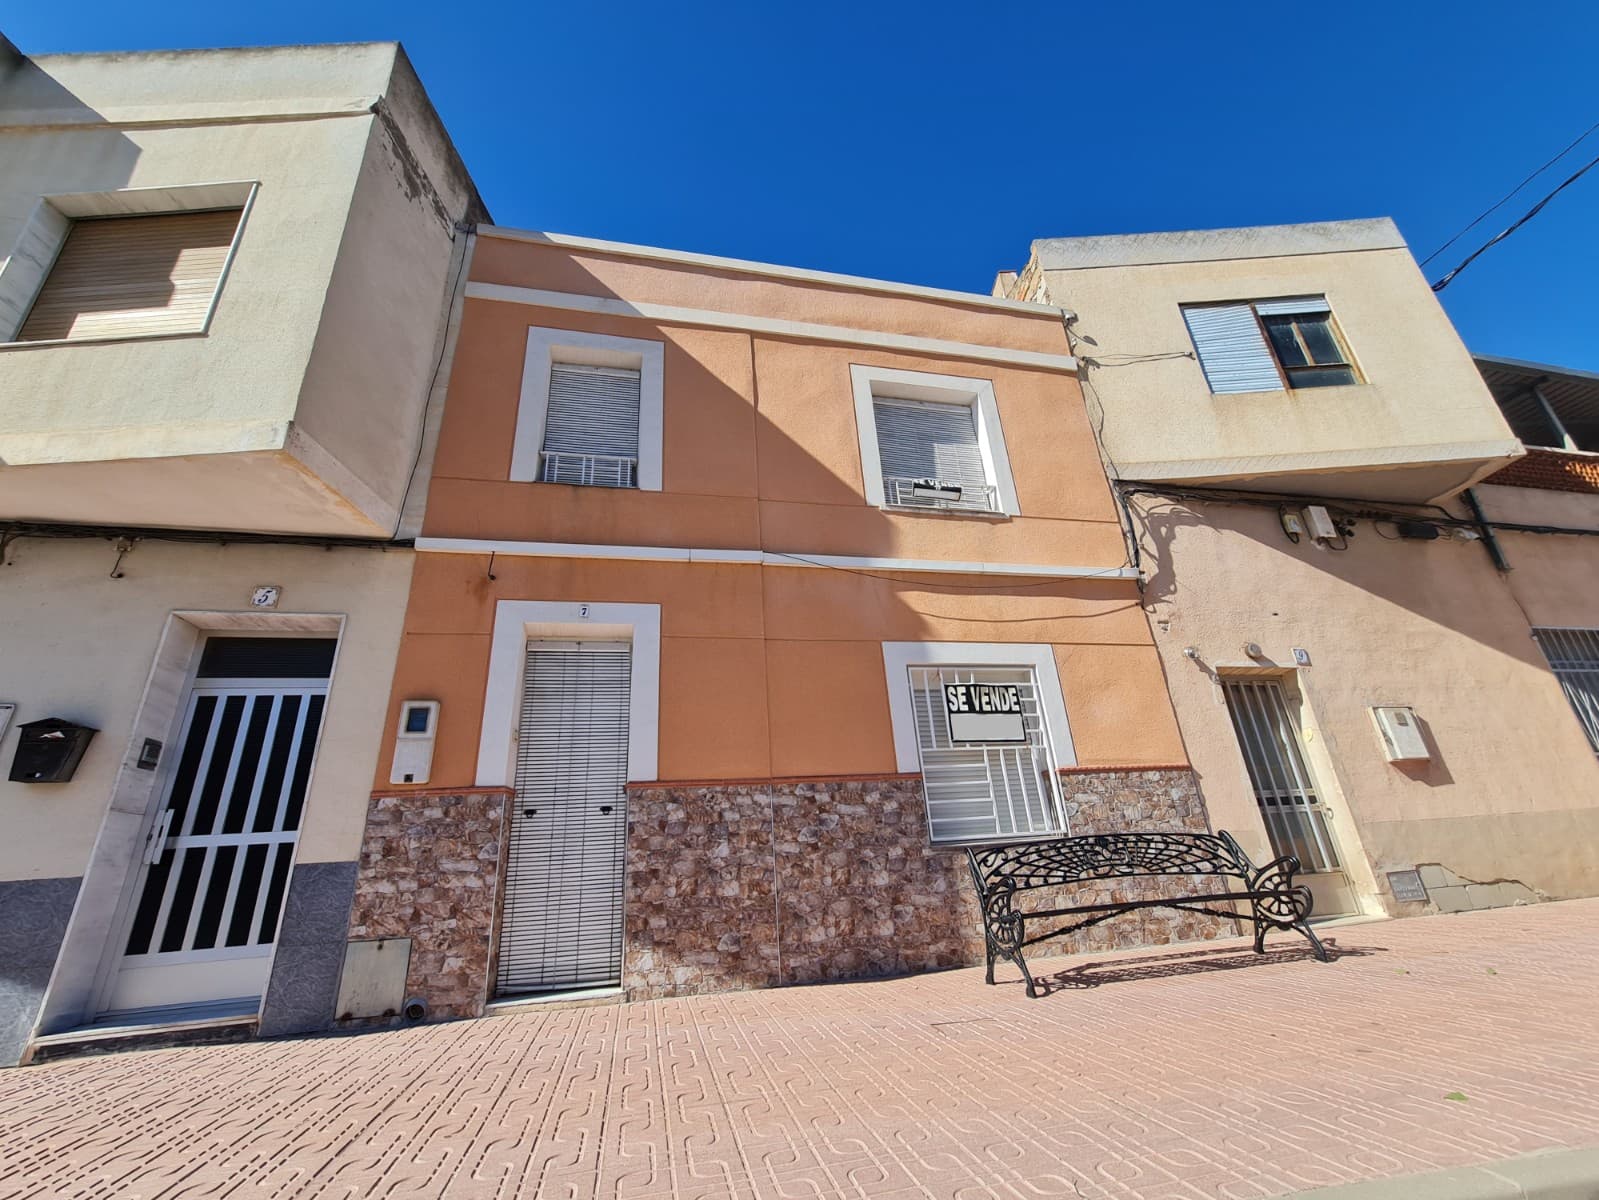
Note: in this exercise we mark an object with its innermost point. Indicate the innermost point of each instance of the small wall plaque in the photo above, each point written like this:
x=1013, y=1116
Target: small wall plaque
x=1407, y=885
x=1301, y=656
x=266, y=595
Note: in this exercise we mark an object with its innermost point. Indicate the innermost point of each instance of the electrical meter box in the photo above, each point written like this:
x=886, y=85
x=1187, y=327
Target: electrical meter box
x=1401, y=733
x=49, y=751
x=413, y=741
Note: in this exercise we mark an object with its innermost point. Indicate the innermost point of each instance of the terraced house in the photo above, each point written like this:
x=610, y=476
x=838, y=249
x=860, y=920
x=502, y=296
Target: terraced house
x=707, y=545
x=1375, y=609
x=221, y=299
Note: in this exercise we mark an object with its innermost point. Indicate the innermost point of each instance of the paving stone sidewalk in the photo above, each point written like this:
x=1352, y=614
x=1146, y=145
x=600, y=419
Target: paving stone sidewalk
x=1188, y=1071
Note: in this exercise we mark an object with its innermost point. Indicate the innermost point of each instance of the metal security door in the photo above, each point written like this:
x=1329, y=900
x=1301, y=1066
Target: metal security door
x=1268, y=734
x=562, y=922
x=217, y=862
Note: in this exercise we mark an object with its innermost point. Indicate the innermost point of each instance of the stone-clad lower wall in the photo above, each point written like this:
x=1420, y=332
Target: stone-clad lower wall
x=430, y=870
x=751, y=885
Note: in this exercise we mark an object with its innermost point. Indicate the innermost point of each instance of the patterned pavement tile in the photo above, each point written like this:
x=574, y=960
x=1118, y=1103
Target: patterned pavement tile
x=1196, y=1072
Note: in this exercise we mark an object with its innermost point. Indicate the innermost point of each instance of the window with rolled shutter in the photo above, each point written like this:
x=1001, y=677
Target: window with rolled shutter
x=591, y=426
x=133, y=276
x=931, y=456
x=1260, y=346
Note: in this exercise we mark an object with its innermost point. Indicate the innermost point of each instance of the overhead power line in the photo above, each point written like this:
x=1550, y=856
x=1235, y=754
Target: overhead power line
x=1500, y=203
x=1527, y=216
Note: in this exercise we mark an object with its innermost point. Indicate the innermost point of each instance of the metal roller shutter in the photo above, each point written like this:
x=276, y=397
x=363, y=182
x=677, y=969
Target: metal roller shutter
x=1232, y=349
x=129, y=276
x=925, y=440
x=591, y=427
x=562, y=923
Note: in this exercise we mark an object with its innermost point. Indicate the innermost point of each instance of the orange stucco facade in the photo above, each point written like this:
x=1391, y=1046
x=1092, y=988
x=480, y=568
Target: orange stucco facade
x=773, y=670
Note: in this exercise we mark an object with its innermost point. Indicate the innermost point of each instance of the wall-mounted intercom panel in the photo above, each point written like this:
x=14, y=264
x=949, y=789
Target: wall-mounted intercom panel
x=413, y=741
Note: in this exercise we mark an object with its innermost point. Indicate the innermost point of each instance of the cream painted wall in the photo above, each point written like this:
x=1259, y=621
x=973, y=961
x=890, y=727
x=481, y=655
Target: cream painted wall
x=1423, y=400
x=1513, y=790
x=80, y=644
x=328, y=324
x=1556, y=578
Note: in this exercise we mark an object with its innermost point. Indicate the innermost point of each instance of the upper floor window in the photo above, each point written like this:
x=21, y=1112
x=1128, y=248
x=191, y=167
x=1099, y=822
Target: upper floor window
x=128, y=263
x=930, y=455
x=1268, y=345
x=591, y=429
x=591, y=411
x=931, y=441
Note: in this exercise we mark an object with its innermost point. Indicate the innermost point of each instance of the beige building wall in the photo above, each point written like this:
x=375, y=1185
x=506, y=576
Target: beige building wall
x=1420, y=424
x=300, y=408
x=90, y=644
x=1509, y=795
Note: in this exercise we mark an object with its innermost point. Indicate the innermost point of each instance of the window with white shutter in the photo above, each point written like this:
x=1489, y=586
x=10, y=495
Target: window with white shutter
x=591, y=428
x=133, y=277
x=591, y=411
x=1267, y=345
x=931, y=441
x=931, y=455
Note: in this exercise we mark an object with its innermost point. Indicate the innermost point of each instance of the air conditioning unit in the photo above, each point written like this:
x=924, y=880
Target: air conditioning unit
x=933, y=489
x=1401, y=733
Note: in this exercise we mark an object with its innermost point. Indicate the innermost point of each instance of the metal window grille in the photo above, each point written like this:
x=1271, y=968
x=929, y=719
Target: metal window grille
x=562, y=922
x=978, y=792
x=1573, y=656
x=591, y=427
x=1273, y=749
x=920, y=440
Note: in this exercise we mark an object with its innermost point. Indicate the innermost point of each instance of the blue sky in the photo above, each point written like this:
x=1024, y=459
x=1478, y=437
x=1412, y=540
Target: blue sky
x=930, y=142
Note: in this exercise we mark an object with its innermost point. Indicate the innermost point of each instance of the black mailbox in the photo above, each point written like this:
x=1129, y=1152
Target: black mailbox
x=49, y=750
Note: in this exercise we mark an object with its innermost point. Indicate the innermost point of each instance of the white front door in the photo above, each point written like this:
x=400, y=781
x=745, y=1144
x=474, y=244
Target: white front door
x=562, y=922
x=215, y=871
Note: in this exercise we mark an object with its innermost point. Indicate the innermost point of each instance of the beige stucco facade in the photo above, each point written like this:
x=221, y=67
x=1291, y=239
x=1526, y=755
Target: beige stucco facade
x=1418, y=425
x=1511, y=794
x=1506, y=807
x=150, y=485
x=299, y=409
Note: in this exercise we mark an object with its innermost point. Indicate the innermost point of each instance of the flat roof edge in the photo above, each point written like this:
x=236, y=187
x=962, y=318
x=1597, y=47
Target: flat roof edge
x=1209, y=245
x=772, y=270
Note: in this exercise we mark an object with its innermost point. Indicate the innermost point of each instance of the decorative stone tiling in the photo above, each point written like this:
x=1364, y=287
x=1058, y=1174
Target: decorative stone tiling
x=740, y=885
x=431, y=865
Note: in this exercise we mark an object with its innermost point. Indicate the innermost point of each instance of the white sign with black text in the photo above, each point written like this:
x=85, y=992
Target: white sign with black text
x=984, y=712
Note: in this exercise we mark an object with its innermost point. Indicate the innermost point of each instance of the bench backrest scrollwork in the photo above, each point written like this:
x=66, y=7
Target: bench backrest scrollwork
x=1014, y=866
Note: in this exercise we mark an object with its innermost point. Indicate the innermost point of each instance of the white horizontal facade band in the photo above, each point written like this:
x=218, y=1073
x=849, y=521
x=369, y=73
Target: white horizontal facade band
x=771, y=270
x=761, y=558
x=804, y=330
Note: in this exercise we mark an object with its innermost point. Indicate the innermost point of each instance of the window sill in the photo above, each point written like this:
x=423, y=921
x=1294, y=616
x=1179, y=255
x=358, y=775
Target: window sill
x=101, y=341
x=980, y=843
x=921, y=511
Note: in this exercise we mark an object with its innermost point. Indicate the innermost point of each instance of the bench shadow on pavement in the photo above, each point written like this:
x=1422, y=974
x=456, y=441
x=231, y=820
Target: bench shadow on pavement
x=1100, y=972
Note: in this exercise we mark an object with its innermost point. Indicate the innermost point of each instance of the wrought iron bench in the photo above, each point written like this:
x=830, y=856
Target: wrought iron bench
x=1002, y=872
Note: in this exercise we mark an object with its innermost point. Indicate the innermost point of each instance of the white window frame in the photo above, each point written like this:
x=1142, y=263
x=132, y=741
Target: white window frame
x=29, y=263
x=900, y=657
x=873, y=383
x=515, y=621
x=545, y=347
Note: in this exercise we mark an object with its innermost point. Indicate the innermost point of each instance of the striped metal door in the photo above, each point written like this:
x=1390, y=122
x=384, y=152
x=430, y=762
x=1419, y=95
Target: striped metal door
x=1274, y=751
x=217, y=863
x=562, y=921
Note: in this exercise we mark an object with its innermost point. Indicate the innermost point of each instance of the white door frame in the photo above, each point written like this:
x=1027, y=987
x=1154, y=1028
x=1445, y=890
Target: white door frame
x=517, y=621
x=137, y=795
